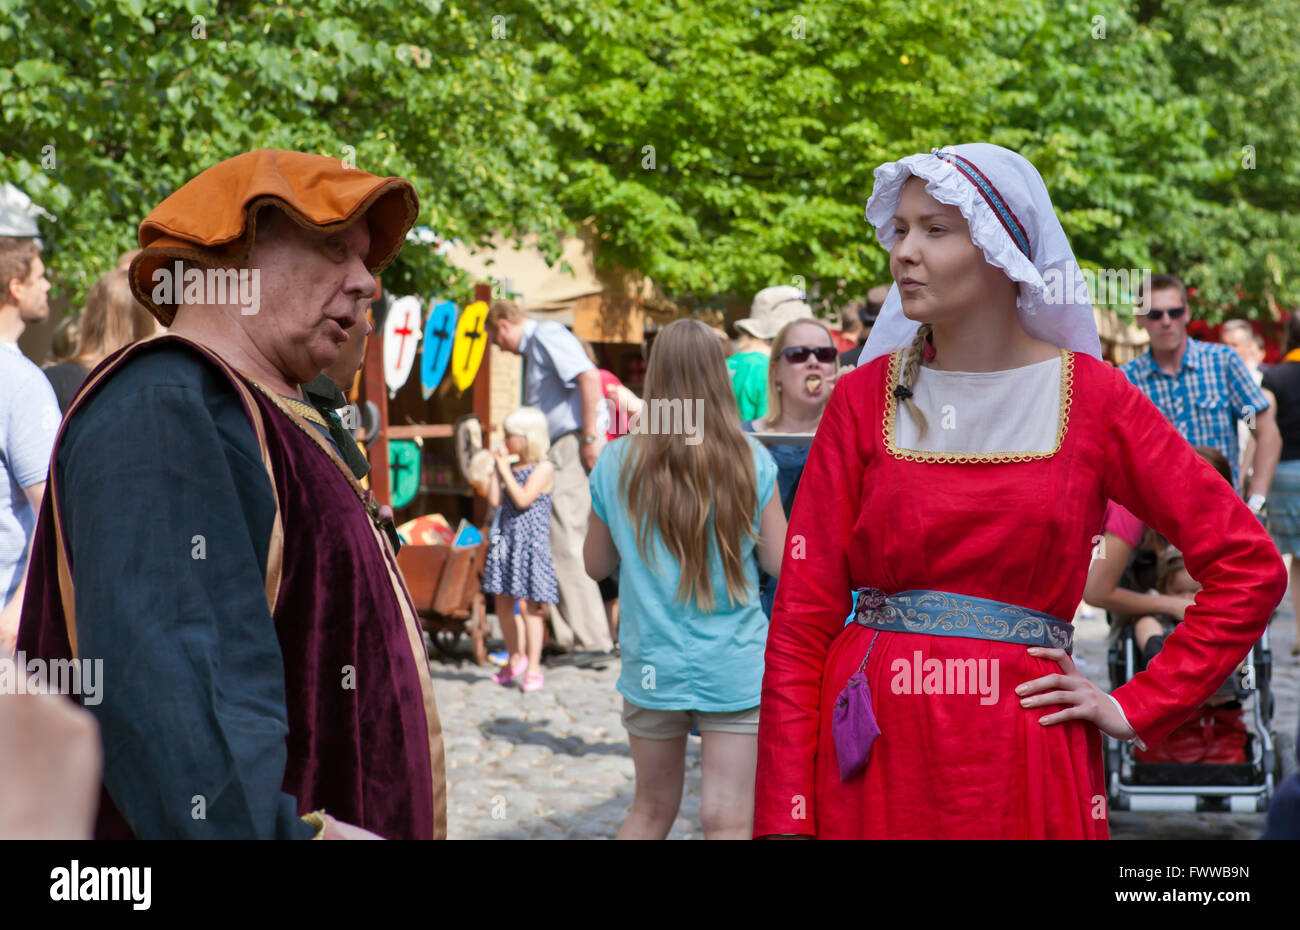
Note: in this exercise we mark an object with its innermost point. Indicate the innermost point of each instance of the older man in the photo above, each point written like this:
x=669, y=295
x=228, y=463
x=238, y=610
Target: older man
x=562, y=382
x=264, y=673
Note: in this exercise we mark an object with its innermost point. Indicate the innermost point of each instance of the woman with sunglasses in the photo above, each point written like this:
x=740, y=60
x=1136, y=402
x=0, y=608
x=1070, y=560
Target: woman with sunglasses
x=918, y=681
x=800, y=375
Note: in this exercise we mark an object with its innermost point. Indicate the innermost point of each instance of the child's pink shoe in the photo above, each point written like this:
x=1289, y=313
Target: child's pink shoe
x=533, y=681
x=511, y=671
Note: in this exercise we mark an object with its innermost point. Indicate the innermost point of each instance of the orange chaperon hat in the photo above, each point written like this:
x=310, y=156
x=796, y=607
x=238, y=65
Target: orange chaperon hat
x=211, y=219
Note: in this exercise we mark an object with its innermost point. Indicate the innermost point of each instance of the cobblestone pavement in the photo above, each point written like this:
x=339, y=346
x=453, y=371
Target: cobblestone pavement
x=555, y=765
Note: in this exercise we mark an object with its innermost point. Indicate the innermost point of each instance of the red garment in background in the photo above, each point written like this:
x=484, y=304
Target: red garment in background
x=842, y=342
x=617, y=417
x=947, y=765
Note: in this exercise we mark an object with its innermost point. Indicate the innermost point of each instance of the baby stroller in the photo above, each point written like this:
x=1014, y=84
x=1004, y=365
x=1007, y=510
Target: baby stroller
x=1213, y=762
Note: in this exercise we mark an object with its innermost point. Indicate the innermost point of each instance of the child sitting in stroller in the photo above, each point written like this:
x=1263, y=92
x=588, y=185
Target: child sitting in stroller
x=1149, y=631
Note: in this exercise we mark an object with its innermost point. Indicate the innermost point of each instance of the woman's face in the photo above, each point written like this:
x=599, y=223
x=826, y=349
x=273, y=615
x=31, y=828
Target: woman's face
x=808, y=382
x=940, y=272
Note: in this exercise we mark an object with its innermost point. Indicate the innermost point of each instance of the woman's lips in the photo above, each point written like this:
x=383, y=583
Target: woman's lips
x=812, y=384
x=908, y=287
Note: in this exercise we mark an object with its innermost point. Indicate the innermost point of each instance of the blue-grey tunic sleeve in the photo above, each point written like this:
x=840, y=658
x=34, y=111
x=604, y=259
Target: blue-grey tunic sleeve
x=168, y=512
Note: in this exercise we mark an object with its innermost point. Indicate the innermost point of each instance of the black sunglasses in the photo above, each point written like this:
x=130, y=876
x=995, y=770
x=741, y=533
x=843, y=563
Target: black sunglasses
x=797, y=354
x=1175, y=313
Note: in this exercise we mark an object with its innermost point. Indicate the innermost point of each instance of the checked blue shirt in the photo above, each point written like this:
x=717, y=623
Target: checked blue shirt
x=1212, y=390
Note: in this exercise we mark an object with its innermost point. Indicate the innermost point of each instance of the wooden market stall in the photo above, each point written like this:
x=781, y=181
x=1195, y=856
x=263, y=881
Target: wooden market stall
x=444, y=580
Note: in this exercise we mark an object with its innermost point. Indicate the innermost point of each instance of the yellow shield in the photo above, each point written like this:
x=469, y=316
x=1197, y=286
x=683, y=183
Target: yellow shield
x=471, y=342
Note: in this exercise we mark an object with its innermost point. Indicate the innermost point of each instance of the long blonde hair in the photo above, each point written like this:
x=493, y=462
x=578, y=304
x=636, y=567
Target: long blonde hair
x=675, y=487
x=911, y=367
x=778, y=343
x=111, y=319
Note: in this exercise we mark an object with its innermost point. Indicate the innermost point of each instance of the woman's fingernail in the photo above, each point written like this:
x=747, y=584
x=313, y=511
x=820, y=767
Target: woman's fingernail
x=1024, y=702
x=1020, y=690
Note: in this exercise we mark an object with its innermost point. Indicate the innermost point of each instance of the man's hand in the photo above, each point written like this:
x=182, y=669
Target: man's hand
x=591, y=452
x=338, y=830
x=49, y=767
x=1086, y=700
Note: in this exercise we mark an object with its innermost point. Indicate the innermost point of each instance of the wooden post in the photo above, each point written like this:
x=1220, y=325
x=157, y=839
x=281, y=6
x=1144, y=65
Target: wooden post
x=481, y=399
x=377, y=391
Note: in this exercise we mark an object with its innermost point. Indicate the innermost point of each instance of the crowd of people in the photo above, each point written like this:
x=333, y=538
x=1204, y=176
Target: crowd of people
x=921, y=485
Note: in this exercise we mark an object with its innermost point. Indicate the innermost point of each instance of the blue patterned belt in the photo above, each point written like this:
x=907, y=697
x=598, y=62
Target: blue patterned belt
x=938, y=613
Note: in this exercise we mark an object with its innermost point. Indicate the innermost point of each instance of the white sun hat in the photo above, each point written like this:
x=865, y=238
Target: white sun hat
x=773, y=307
x=1005, y=202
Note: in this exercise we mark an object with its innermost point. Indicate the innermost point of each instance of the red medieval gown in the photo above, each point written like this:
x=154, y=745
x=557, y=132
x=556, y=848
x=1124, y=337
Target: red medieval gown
x=1013, y=528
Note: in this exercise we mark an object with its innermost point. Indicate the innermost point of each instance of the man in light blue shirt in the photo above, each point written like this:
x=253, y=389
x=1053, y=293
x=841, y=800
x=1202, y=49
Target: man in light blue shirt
x=29, y=420
x=562, y=382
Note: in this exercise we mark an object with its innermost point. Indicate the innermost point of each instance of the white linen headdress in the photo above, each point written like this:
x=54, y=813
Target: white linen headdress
x=1005, y=202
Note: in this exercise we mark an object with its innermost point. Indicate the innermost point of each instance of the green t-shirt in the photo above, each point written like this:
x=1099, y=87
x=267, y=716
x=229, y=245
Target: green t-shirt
x=749, y=382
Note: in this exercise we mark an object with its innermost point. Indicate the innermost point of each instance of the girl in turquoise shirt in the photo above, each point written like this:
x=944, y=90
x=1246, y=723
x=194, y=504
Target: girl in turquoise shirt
x=685, y=505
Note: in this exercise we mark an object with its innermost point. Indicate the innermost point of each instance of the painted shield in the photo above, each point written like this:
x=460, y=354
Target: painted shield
x=439, y=336
x=471, y=342
x=401, y=338
x=468, y=440
x=403, y=471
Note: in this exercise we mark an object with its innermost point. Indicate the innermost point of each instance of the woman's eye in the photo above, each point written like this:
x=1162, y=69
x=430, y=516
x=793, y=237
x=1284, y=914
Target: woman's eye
x=899, y=232
x=937, y=229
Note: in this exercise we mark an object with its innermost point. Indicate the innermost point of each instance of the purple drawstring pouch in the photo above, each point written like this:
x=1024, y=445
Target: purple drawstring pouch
x=853, y=722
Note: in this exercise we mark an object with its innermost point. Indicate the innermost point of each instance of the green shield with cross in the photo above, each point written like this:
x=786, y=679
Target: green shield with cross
x=403, y=471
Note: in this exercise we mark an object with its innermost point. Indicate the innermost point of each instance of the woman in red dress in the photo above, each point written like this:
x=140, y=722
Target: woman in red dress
x=970, y=456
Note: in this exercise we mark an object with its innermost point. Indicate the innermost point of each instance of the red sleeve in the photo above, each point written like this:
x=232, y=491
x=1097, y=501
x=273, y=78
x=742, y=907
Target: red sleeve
x=1153, y=471
x=1123, y=524
x=812, y=600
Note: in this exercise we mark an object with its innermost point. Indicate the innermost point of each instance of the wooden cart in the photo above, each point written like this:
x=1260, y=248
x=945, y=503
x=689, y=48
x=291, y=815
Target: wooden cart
x=445, y=583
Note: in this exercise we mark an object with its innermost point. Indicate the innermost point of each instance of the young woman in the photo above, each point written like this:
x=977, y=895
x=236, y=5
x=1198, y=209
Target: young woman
x=112, y=318
x=688, y=515
x=961, y=472
x=1282, y=384
x=800, y=377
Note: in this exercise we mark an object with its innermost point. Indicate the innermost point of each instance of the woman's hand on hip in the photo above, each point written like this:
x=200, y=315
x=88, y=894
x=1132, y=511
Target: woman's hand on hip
x=1084, y=700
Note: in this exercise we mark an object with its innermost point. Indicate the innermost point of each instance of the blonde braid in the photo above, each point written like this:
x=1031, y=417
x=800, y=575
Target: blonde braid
x=911, y=367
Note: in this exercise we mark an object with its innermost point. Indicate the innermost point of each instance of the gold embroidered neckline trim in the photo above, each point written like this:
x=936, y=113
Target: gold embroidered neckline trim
x=892, y=406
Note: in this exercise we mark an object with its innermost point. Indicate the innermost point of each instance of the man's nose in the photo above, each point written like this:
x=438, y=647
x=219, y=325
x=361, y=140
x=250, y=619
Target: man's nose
x=360, y=282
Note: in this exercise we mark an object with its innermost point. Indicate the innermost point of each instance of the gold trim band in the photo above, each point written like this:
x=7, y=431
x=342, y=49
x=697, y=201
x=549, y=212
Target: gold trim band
x=892, y=404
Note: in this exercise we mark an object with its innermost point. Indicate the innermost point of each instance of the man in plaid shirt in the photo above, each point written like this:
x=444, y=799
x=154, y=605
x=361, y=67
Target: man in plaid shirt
x=1203, y=388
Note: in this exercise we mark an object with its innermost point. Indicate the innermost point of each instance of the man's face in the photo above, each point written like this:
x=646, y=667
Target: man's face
x=940, y=272
x=1167, y=334
x=314, y=287
x=506, y=335
x=30, y=295
x=344, y=371
x=1239, y=342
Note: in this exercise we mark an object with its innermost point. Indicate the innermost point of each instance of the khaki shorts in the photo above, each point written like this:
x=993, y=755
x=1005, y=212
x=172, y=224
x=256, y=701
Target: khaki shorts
x=648, y=723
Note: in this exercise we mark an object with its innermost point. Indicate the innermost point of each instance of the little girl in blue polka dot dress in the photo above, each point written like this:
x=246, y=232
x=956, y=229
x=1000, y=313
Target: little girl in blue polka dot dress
x=519, y=546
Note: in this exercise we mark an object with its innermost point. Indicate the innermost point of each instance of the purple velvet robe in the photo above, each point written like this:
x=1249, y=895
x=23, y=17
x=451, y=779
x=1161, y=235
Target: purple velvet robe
x=370, y=754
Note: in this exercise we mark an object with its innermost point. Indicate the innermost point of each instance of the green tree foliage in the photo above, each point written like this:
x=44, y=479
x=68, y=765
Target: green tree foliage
x=113, y=105
x=716, y=147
